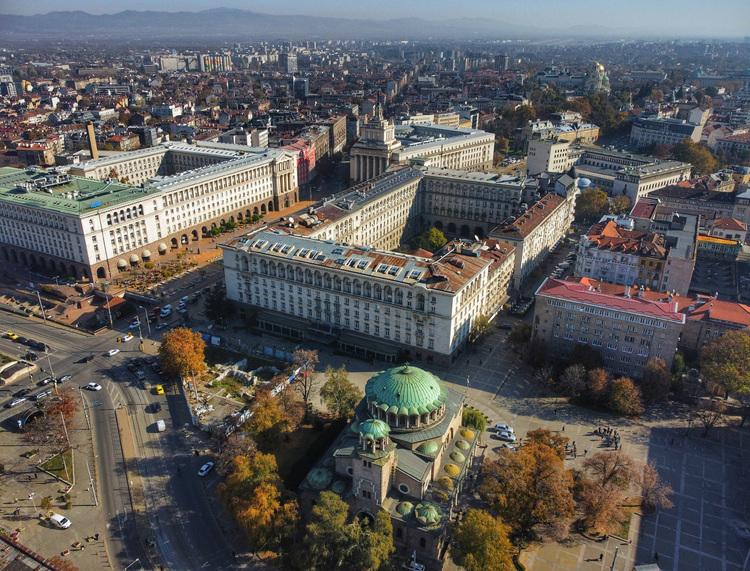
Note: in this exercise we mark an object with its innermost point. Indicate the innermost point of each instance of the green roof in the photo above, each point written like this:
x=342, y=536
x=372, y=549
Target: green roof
x=373, y=429
x=65, y=194
x=406, y=390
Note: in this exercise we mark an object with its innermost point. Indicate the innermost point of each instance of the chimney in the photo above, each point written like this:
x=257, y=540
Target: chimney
x=92, y=141
x=711, y=305
x=627, y=291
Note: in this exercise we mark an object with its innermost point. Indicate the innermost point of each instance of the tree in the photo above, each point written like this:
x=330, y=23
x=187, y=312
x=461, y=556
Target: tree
x=663, y=151
x=625, y=397
x=520, y=334
x=306, y=380
x=267, y=422
x=544, y=436
x=654, y=492
x=726, y=361
x=481, y=542
x=709, y=412
x=181, y=352
x=656, y=380
x=587, y=356
x=600, y=505
x=699, y=156
x=217, y=306
x=573, y=381
x=254, y=497
x=528, y=487
x=543, y=374
x=613, y=468
x=53, y=430
x=620, y=204
x=597, y=385
x=591, y=205
x=338, y=392
x=472, y=418
x=431, y=240
x=331, y=542
x=536, y=353
x=481, y=329
x=291, y=405
x=238, y=444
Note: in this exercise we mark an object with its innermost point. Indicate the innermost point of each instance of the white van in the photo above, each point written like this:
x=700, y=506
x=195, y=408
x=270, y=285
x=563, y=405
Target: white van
x=59, y=521
x=161, y=426
x=185, y=299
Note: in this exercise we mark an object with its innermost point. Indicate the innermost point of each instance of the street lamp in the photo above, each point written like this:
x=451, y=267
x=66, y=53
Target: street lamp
x=57, y=285
x=49, y=363
x=31, y=497
x=148, y=321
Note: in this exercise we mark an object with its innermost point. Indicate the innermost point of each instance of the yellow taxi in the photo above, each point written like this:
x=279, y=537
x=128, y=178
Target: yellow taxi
x=159, y=390
x=11, y=335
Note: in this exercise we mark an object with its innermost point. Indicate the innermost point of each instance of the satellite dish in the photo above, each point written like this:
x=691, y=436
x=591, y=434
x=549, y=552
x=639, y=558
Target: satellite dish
x=476, y=238
x=291, y=220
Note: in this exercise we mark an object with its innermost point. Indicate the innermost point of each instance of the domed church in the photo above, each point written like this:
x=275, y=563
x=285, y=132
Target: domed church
x=405, y=452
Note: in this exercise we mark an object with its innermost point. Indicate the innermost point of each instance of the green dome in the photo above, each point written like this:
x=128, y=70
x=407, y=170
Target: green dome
x=338, y=487
x=405, y=508
x=463, y=445
x=406, y=390
x=456, y=456
x=319, y=478
x=429, y=447
x=374, y=429
x=428, y=513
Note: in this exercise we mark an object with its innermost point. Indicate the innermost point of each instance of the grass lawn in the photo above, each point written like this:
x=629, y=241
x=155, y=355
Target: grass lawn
x=631, y=506
x=306, y=444
x=4, y=359
x=55, y=466
x=232, y=385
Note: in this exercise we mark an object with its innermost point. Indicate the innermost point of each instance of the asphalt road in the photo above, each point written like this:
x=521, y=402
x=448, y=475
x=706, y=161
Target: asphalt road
x=182, y=528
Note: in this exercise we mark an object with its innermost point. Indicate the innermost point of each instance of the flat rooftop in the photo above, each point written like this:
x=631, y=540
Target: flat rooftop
x=65, y=194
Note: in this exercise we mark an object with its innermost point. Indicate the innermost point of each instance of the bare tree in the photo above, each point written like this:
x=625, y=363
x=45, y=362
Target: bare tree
x=709, y=413
x=237, y=444
x=573, y=381
x=654, y=492
x=611, y=468
x=601, y=507
x=307, y=380
x=543, y=374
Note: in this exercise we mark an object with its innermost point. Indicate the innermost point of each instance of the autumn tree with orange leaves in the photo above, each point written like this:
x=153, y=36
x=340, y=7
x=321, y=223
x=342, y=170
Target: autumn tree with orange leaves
x=182, y=352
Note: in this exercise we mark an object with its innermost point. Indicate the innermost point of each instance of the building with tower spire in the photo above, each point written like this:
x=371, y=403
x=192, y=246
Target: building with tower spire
x=371, y=155
x=404, y=452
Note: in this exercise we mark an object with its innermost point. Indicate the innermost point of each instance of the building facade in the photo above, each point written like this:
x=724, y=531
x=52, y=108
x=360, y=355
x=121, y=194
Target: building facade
x=659, y=131
x=370, y=302
x=627, y=330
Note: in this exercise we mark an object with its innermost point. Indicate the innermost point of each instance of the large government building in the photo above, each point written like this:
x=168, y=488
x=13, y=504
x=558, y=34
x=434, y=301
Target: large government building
x=82, y=226
x=405, y=453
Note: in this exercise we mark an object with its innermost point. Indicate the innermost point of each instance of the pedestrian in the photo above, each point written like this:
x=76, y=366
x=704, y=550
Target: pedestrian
x=671, y=442
x=563, y=428
x=656, y=557
x=585, y=452
x=36, y=475
x=601, y=556
x=574, y=444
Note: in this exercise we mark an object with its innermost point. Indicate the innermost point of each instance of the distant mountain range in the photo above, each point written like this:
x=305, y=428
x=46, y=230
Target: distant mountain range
x=242, y=25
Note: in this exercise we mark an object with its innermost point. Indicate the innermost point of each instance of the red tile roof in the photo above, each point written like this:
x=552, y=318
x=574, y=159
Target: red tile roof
x=611, y=236
x=582, y=292
x=726, y=223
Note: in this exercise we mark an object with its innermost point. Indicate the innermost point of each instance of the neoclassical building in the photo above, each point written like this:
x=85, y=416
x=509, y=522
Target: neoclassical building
x=88, y=228
x=382, y=144
x=372, y=303
x=404, y=452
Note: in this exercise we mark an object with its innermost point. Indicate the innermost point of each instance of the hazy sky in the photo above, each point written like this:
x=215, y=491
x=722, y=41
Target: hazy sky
x=714, y=19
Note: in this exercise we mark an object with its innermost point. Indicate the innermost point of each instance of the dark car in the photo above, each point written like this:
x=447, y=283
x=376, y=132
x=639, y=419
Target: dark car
x=42, y=346
x=138, y=362
x=31, y=356
x=47, y=381
x=149, y=359
x=157, y=407
x=88, y=358
x=22, y=393
x=132, y=368
x=30, y=343
x=21, y=340
x=206, y=289
x=156, y=366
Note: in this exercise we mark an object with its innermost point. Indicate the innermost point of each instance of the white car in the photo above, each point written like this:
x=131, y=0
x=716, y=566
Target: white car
x=135, y=325
x=506, y=436
x=112, y=352
x=43, y=395
x=128, y=337
x=93, y=387
x=59, y=521
x=162, y=326
x=16, y=402
x=206, y=468
x=504, y=427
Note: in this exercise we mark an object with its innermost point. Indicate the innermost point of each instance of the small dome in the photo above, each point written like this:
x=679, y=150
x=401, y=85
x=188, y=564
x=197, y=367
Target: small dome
x=122, y=264
x=428, y=513
x=452, y=469
x=354, y=427
x=466, y=433
x=456, y=456
x=446, y=483
x=373, y=429
x=338, y=487
x=405, y=508
x=429, y=447
x=463, y=445
x=584, y=183
x=162, y=247
x=319, y=478
x=146, y=254
x=134, y=259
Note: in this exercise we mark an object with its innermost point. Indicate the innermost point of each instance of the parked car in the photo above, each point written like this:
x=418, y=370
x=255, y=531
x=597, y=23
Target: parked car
x=159, y=390
x=184, y=299
x=59, y=521
x=506, y=436
x=504, y=427
x=156, y=407
x=206, y=468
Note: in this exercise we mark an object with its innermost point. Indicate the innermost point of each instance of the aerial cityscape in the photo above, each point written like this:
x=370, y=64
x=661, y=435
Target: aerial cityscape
x=310, y=287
